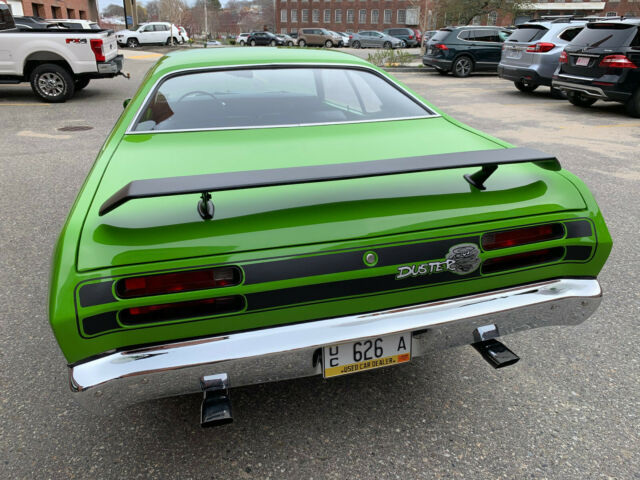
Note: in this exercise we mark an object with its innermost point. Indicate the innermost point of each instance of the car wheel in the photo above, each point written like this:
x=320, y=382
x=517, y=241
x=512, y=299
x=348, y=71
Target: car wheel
x=525, y=86
x=441, y=72
x=356, y=44
x=328, y=44
x=52, y=83
x=302, y=43
x=252, y=43
x=462, y=67
x=273, y=43
x=580, y=100
x=289, y=44
x=403, y=44
x=132, y=42
x=386, y=45
x=558, y=94
x=633, y=104
x=242, y=43
x=80, y=83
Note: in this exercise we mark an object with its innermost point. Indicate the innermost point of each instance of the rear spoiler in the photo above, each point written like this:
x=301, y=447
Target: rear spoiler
x=488, y=160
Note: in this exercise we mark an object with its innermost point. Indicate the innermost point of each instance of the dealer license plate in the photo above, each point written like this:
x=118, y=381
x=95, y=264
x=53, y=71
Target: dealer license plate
x=366, y=354
x=513, y=53
x=582, y=61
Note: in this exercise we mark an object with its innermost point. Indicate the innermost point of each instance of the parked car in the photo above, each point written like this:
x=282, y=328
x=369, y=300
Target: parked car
x=427, y=35
x=286, y=39
x=463, y=50
x=55, y=63
x=407, y=35
x=375, y=39
x=74, y=24
x=367, y=251
x=341, y=38
x=530, y=54
x=264, y=38
x=603, y=63
x=318, y=37
x=345, y=38
x=242, y=39
x=148, y=33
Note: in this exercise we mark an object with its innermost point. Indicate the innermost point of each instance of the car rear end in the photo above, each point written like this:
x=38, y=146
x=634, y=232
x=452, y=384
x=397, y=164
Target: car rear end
x=602, y=62
x=440, y=51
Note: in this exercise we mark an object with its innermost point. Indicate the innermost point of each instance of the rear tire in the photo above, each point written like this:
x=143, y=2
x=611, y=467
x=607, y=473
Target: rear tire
x=252, y=43
x=579, y=100
x=462, y=67
x=633, y=104
x=356, y=44
x=525, y=87
x=289, y=44
x=132, y=43
x=242, y=43
x=52, y=83
x=328, y=44
x=302, y=43
x=80, y=83
x=386, y=45
x=273, y=43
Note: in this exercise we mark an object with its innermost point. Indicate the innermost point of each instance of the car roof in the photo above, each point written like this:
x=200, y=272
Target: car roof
x=627, y=21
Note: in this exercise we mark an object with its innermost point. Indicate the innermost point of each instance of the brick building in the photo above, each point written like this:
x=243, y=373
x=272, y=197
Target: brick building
x=85, y=9
x=356, y=15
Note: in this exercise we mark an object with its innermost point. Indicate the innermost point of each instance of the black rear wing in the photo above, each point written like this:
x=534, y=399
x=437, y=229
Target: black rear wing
x=489, y=160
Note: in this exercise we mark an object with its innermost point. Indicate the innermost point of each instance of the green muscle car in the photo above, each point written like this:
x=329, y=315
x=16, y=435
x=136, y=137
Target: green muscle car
x=266, y=214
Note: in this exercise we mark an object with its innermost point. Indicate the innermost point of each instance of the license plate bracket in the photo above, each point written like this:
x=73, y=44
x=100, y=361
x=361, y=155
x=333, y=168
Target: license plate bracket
x=366, y=354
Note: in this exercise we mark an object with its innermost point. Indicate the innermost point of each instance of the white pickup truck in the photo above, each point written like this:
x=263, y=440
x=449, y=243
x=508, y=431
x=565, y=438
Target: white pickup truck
x=57, y=63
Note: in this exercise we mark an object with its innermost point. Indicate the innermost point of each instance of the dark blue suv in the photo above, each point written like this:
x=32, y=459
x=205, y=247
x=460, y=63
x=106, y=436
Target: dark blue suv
x=462, y=50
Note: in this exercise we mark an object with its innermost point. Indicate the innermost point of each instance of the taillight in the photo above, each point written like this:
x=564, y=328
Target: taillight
x=180, y=310
x=96, y=46
x=441, y=46
x=540, y=47
x=522, y=236
x=410, y=37
x=616, y=61
x=563, y=57
x=188, y=281
x=522, y=260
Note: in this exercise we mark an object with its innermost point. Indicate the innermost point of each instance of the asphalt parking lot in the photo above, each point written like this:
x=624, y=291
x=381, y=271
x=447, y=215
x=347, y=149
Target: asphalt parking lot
x=570, y=409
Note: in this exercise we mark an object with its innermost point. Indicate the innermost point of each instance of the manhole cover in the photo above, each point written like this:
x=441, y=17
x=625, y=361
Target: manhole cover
x=75, y=128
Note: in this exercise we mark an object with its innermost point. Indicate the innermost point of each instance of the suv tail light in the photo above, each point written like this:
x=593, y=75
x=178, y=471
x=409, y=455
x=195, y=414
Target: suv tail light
x=96, y=47
x=441, y=46
x=563, y=57
x=410, y=37
x=522, y=236
x=616, y=61
x=186, y=281
x=540, y=47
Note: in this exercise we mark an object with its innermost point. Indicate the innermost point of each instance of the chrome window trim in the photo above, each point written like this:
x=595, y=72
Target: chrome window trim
x=429, y=112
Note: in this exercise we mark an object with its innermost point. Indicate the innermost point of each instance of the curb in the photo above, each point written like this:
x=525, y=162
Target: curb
x=406, y=69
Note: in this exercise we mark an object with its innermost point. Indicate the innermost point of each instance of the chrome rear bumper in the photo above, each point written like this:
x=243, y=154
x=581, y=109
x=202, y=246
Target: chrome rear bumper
x=293, y=351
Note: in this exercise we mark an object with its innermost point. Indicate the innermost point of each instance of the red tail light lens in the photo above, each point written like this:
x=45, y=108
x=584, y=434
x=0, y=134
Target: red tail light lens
x=563, y=57
x=96, y=47
x=180, y=310
x=522, y=236
x=441, y=46
x=616, y=61
x=522, y=260
x=541, y=47
x=178, y=282
x=410, y=37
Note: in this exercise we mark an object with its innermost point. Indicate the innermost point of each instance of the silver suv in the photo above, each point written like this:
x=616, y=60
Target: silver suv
x=530, y=55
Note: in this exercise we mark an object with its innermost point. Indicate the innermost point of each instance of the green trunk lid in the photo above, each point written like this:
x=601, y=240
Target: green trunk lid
x=158, y=229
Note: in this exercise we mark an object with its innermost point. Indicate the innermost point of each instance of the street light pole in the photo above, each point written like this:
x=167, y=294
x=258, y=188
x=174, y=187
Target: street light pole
x=206, y=23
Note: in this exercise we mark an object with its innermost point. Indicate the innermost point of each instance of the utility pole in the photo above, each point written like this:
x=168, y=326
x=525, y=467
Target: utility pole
x=206, y=23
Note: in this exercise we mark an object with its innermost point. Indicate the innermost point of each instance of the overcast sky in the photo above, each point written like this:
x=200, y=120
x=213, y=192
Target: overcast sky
x=103, y=3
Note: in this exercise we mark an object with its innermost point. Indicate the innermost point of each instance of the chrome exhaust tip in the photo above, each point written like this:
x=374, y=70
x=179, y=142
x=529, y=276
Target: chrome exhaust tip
x=216, y=405
x=495, y=353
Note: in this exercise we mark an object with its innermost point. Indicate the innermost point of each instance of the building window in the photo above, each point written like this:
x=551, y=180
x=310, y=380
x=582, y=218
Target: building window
x=315, y=15
x=283, y=16
x=375, y=16
x=612, y=14
x=305, y=15
x=350, y=15
x=294, y=16
x=475, y=20
x=402, y=16
x=339, y=15
x=294, y=30
x=56, y=12
x=71, y=13
x=492, y=18
x=83, y=15
x=327, y=16
x=387, y=16
x=283, y=30
x=362, y=16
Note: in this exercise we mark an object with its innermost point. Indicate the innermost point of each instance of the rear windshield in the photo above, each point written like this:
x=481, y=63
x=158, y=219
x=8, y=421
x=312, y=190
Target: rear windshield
x=527, y=34
x=274, y=96
x=440, y=35
x=605, y=35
